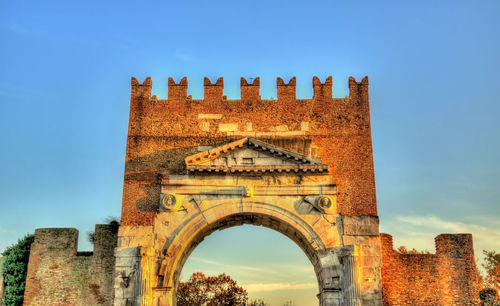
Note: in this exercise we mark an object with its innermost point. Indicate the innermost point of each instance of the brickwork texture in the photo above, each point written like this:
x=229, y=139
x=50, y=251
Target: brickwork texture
x=448, y=277
x=59, y=275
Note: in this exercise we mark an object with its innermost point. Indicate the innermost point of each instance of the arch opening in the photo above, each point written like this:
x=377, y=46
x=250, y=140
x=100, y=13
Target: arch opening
x=255, y=219
x=333, y=265
x=266, y=264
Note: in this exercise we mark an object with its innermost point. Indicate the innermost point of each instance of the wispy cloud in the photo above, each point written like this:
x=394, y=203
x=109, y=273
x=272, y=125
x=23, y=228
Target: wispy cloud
x=483, y=235
x=278, y=268
x=221, y=264
x=183, y=56
x=36, y=31
x=438, y=223
x=17, y=28
x=7, y=232
x=7, y=237
x=419, y=232
x=278, y=286
x=259, y=273
x=11, y=90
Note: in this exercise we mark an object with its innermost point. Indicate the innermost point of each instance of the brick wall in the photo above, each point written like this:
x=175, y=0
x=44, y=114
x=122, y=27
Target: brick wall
x=448, y=277
x=59, y=275
x=163, y=132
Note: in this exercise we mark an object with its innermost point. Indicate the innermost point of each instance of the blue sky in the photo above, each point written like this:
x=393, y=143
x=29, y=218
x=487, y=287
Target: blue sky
x=65, y=71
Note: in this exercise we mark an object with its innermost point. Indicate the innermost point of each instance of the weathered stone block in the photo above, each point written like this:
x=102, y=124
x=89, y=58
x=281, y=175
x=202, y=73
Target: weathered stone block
x=228, y=127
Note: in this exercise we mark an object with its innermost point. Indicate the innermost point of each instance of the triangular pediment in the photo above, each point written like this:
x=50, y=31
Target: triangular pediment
x=252, y=155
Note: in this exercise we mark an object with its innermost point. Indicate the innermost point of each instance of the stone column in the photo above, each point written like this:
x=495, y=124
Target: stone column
x=337, y=277
x=350, y=285
x=128, y=291
x=163, y=296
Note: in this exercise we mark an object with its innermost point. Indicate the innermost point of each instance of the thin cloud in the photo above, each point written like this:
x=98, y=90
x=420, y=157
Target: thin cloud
x=263, y=287
x=419, y=232
x=6, y=235
x=36, y=32
x=216, y=263
x=480, y=232
x=184, y=56
x=17, y=28
x=281, y=266
x=12, y=91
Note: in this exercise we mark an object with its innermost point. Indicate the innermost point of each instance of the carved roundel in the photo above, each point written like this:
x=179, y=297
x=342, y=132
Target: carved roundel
x=168, y=202
x=325, y=203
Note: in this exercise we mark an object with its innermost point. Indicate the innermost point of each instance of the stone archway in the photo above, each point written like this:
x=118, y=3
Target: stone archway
x=333, y=266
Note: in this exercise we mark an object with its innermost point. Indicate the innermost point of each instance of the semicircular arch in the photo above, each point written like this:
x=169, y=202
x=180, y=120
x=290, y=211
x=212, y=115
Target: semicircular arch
x=220, y=216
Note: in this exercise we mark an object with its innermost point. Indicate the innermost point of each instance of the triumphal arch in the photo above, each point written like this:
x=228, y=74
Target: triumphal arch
x=302, y=167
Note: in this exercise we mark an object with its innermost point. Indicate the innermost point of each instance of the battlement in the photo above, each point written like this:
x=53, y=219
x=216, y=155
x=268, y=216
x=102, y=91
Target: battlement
x=453, y=245
x=62, y=241
x=447, y=277
x=58, y=274
x=213, y=91
x=250, y=91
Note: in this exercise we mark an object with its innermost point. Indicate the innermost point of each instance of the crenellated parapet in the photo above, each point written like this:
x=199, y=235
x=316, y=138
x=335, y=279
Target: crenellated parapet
x=251, y=90
x=213, y=92
x=177, y=91
x=286, y=90
x=141, y=91
x=447, y=277
x=60, y=275
x=322, y=90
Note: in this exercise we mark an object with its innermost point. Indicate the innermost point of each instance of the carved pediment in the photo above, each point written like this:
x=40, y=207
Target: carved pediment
x=252, y=155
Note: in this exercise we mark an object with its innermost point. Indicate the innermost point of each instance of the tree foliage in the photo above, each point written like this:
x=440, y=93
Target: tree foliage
x=488, y=296
x=210, y=291
x=491, y=282
x=492, y=266
x=403, y=250
x=258, y=302
x=14, y=270
x=110, y=220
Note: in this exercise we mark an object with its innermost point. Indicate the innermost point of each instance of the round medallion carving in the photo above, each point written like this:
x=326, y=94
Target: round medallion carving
x=327, y=204
x=168, y=202
x=324, y=203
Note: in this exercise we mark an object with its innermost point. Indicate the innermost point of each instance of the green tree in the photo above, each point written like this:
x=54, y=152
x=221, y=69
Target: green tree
x=492, y=266
x=491, y=282
x=210, y=291
x=14, y=270
x=258, y=302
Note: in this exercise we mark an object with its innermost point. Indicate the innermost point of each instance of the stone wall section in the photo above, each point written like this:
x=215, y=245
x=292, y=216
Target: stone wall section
x=363, y=232
x=59, y=275
x=448, y=277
